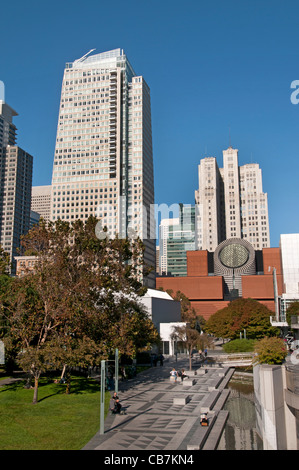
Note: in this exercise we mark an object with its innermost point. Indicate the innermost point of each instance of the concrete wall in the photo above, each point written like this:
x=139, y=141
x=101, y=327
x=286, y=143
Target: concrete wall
x=275, y=421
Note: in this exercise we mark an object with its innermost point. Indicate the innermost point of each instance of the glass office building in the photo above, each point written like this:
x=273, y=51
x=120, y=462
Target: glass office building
x=181, y=238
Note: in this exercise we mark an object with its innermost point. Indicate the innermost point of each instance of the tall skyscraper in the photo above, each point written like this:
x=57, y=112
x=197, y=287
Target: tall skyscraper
x=231, y=203
x=210, y=219
x=15, y=185
x=103, y=163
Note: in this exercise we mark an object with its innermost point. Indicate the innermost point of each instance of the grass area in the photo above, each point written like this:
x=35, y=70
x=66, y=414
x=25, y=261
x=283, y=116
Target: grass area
x=57, y=422
x=239, y=346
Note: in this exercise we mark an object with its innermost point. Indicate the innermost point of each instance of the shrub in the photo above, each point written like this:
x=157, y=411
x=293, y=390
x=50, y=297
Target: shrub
x=270, y=351
x=239, y=345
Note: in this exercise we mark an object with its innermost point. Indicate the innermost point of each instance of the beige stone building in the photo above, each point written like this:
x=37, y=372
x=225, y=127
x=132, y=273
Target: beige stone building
x=231, y=203
x=41, y=201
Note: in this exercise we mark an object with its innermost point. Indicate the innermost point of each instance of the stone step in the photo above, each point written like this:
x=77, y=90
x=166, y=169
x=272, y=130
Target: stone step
x=214, y=436
x=181, y=400
x=200, y=435
x=208, y=403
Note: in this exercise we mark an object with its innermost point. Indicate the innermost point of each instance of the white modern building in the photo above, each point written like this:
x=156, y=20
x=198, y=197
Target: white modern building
x=103, y=163
x=230, y=203
x=165, y=314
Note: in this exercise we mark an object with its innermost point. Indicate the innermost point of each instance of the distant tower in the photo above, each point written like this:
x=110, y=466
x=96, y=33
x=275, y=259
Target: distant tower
x=231, y=203
x=41, y=201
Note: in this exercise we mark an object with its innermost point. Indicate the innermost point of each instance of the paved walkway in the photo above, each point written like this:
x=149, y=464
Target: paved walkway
x=162, y=415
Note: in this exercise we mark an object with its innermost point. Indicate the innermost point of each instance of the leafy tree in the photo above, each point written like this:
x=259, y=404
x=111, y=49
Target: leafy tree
x=189, y=336
x=242, y=314
x=270, y=351
x=4, y=262
x=293, y=309
x=80, y=303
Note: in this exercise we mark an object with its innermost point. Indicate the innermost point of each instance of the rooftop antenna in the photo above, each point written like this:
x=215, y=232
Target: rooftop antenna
x=229, y=137
x=83, y=57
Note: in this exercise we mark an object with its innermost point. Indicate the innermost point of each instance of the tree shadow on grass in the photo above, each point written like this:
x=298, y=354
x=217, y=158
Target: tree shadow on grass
x=78, y=386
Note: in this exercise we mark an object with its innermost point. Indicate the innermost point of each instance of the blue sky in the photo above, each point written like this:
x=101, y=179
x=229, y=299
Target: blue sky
x=211, y=66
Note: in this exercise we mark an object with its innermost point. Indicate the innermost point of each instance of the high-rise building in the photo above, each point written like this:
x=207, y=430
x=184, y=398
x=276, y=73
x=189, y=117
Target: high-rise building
x=15, y=197
x=41, y=201
x=7, y=127
x=103, y=163
x=15, y=185
x=210, y=219
x=181, y=238
x=164, y=228
x=231, y=203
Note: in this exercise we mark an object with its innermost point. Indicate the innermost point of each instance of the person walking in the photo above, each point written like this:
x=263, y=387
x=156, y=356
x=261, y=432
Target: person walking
x=161, y=358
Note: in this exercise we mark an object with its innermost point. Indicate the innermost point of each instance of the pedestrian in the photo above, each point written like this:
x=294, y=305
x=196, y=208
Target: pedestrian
x=173, y=373
x=206, y=352
x=204, y=419
x=113, y=401
x=161, y=359
x=123, y=373
x=183, y=375
x=117, y=407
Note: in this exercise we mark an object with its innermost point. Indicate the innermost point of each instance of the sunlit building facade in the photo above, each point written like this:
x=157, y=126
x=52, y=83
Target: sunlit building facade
x=103, y=163
x=231, y=203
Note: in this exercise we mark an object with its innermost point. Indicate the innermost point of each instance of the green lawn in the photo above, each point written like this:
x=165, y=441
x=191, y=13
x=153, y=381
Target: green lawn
x=57, y=422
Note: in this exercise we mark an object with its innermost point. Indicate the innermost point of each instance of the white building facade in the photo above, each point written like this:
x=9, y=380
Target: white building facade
x=103, y=163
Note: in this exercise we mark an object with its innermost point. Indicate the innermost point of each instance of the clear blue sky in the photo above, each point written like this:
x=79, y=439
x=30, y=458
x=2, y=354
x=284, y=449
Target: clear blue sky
x=211, y=66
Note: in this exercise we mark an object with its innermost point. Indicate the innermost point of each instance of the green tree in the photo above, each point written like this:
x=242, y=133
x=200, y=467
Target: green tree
x=189, y=336
x=242, y=314
x=84, y=295
x=4, y=262
x=270, y=351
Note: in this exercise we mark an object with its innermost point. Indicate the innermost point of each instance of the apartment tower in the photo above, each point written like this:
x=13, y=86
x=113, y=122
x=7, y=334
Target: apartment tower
x=15, y=186
x=231, y=203
x=103, y=163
